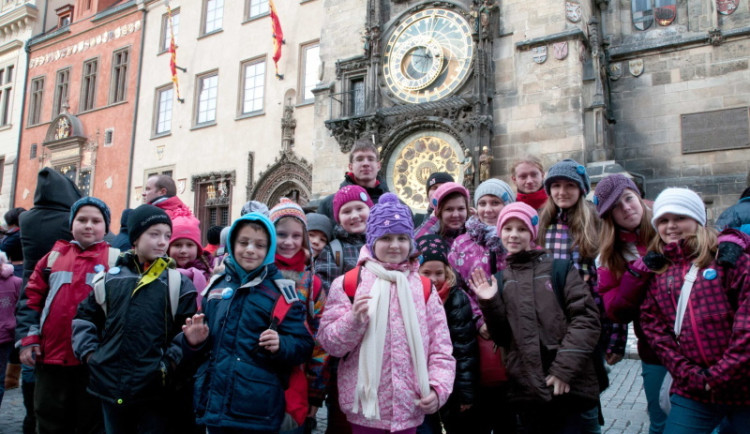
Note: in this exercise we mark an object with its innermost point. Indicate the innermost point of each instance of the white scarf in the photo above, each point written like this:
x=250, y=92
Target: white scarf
x=373, y=344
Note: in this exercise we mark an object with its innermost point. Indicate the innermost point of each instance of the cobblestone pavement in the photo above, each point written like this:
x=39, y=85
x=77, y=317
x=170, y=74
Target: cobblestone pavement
x=624, y=402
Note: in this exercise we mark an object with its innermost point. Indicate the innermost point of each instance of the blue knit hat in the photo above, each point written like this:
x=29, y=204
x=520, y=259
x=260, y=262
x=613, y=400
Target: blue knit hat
x=570, y=170
x=497, y=188
x=90, y=201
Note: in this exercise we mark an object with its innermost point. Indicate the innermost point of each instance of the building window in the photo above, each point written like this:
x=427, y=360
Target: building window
x=253, y=78
x=61, y=91
x=207, y=90
x=166, y=36
x=256, y=8
x=88, y=84
x=163, y=110
x=35, y=103
x=32, y=151
x=64, y=15
x=309, y=74
x=357, y=96
x=109, y=137
x=213, y=12
x=118, y=88
x=213, y=199
x=6, y=90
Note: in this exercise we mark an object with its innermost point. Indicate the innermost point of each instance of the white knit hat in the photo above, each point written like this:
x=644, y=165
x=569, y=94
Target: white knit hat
x=494, y=187
x=680, y=201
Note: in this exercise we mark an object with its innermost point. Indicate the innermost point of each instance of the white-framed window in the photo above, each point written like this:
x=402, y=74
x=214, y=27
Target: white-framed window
x=163, y=110
x=256, y=8
x=166, y=37
x=253, y=75
x=119, y=86
x=6, y=92
x=206, y=97
x=310, y=64
x=213, y=13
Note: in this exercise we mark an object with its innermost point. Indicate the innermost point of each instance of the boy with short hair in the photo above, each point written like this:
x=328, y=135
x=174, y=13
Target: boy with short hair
x=59, y=282
x=125, y=329
x=320, y=231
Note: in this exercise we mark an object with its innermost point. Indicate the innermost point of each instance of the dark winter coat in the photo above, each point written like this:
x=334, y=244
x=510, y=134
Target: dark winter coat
x=326, y=204
x=465, y=350
x=544, y=339
x=241, y=386
x=49, y=219
x=133, y=343
x=715, y=337
x=736, y=217
x=11, y=245
x=326, y=267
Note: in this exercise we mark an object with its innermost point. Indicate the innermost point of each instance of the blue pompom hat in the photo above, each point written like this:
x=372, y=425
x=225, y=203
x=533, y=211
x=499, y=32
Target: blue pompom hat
x=570, y=170
x=96, y=203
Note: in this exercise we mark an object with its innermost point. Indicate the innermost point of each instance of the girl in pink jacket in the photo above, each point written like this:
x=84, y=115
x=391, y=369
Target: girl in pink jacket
x=391, y=334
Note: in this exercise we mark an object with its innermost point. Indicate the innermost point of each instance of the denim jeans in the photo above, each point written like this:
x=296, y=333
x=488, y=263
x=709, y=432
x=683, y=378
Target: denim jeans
x=692, y=417
x=653, y=376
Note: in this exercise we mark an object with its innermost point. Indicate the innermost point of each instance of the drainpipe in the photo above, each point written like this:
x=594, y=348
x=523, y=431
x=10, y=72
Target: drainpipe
x=144, y=10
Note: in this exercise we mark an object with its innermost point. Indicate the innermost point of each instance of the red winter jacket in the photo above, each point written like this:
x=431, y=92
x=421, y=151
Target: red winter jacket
x=714, y=346
x=49, y=302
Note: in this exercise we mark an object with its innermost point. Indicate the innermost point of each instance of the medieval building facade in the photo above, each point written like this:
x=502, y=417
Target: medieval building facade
x=81, y=100
x=656, y=89
x=240, y=128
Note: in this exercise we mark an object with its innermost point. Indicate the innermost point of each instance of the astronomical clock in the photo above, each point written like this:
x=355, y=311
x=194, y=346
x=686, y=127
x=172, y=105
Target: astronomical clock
x=429, y=91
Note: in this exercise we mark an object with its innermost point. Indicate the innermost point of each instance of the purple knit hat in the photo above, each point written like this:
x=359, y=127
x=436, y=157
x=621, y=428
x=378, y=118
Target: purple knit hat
x=520, y=211
x=347, y=194
x=389, y=216
x=609, y=190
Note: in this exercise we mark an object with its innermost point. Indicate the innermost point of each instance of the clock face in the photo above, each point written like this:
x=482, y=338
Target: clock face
x=417, y=157
x=428, y=56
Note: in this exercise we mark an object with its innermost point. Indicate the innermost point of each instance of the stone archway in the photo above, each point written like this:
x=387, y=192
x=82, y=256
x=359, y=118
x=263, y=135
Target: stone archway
x=290, y=176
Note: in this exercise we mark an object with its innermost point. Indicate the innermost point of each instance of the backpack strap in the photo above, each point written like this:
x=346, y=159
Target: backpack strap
x=99, y=294
x=352, y=279
x=52, y=258
x=283, y=303
x=174, y=280
x=112, y=256
x=338, y=255
x=560, y=269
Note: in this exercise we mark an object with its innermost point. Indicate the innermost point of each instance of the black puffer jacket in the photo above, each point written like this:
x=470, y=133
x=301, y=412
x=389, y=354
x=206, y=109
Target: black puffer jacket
x=326, y=204
x=133, y=345
x=465, y=351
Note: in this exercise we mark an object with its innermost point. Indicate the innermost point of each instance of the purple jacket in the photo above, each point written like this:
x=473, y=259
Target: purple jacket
x=10, y=289
x=341, y=335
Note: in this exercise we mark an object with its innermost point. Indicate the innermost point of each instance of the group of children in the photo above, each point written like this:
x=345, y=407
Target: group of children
x=494, y=318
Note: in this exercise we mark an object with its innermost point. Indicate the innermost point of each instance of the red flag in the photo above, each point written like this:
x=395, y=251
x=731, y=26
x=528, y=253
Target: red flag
x=173, y=55
x=277, y=35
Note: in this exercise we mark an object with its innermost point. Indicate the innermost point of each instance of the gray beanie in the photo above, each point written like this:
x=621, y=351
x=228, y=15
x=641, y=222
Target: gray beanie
x=494, y=187
x=254, y=206
x=680, y=201
x=570, y=170
x=320, y=222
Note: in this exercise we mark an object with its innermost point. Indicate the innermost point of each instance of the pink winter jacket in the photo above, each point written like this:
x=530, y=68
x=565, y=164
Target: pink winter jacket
x=341, y=336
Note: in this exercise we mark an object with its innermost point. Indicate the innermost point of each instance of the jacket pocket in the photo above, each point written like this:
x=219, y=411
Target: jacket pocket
x=200, y=393
x=256, y=394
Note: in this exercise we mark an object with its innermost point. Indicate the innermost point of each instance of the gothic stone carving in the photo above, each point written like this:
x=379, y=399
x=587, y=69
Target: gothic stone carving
x=287, y=174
